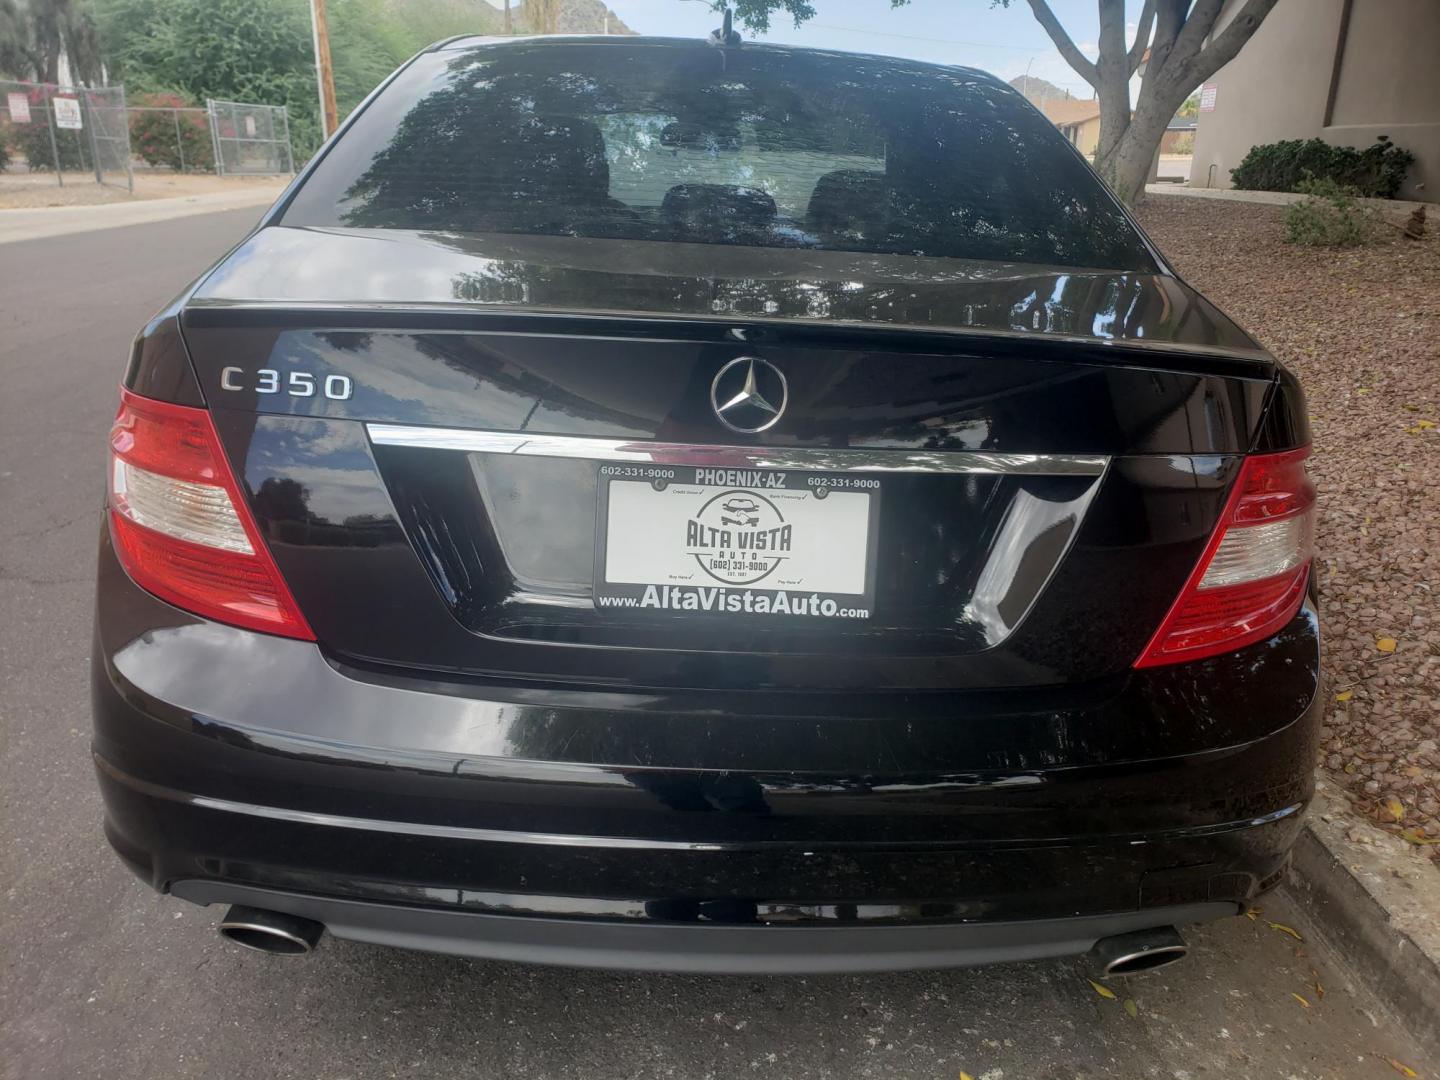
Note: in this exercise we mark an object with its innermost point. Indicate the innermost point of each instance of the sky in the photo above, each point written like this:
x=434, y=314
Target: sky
x=1004, y=41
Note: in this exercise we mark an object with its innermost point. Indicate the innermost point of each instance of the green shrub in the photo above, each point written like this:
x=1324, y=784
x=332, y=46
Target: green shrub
x=1328, y=216
x=4, y=147
x=1377, y=171
x=153, y=134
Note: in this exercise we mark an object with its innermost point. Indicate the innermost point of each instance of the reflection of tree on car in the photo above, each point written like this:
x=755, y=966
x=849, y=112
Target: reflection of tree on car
x=739, y=512
x=692, y=126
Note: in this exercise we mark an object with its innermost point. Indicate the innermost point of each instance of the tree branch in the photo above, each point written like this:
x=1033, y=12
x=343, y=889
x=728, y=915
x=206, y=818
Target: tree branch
x=1073, y=56
x=1198, y=24
x=1112, y=35
x=755, y=14
x=1142, y=35
x=1227, y=43
x=1169, y=18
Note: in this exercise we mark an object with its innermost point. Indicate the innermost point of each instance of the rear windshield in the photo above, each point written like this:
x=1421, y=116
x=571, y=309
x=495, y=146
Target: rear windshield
x=756, y=147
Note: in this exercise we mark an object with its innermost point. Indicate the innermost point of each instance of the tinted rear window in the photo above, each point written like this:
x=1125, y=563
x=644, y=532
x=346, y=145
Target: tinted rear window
x=757, y=147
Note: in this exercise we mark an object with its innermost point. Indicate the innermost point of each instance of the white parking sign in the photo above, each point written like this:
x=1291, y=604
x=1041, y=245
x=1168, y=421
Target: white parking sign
x=19, y=107
x=67, y=112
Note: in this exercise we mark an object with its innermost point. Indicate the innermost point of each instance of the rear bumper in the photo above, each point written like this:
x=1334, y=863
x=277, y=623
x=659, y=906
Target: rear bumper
x=697, y=948
x=687, y=834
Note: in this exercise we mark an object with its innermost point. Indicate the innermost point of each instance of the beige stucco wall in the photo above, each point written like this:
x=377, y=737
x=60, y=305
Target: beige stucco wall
x=1391, y=69
x=1390, y=85
x=1277, y=87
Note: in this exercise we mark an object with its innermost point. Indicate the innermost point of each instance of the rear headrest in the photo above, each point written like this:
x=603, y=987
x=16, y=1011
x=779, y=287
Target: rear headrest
x=711, y=209
x=848, y=200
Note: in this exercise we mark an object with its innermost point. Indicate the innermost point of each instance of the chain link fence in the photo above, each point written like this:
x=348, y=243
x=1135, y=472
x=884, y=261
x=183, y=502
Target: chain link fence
x=250, y=139
x=167, y=134
x=109, y=123
x=64, y=129
x=93, y=132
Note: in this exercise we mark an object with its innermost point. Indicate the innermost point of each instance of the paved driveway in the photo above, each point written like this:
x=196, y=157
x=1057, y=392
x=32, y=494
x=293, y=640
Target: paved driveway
x=101, y=978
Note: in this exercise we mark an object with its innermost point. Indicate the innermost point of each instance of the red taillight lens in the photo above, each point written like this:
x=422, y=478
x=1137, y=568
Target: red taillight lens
x=180, y=526
x=1252, y=576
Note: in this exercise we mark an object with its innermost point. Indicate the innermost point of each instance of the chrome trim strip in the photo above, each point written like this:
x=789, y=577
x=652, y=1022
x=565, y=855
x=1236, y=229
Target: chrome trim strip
x=755, y=457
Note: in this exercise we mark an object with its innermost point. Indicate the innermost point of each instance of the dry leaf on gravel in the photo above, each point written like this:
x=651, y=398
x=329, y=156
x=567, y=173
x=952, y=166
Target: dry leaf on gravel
x=1400, y=1067
x=1103, y=991
x=1285, y=929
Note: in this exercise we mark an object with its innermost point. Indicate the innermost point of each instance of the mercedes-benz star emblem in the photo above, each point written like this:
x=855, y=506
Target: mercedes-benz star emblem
x=749, y=394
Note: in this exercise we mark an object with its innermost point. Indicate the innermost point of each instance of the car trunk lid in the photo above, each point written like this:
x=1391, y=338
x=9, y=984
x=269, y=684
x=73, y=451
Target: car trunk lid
x=970, y=466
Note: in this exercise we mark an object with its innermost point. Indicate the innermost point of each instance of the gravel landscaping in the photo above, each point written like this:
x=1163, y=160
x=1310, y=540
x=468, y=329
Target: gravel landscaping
x=1361, y=327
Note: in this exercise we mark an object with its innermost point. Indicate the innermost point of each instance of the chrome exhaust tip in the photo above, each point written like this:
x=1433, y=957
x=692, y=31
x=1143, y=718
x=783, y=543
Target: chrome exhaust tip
x=270, y=931
x=1138, y=951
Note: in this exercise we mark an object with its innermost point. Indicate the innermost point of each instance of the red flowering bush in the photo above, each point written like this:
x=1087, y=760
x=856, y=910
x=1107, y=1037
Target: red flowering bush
x=172, y=140
x=33, y=140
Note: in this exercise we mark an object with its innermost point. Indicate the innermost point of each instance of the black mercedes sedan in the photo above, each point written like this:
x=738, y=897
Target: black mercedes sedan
x=645, y=503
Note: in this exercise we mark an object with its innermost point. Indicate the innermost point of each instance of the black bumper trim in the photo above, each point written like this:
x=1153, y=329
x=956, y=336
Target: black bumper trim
x=544, y=839
x=716, y=949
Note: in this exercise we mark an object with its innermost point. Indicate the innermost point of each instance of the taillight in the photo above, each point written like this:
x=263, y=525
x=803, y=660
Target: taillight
x=180, y=526
x=1252, y=576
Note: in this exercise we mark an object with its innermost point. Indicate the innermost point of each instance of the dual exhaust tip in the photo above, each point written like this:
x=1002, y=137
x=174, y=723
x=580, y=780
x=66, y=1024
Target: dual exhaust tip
x=290, y=935
x=1137, y=952
x=270, y=931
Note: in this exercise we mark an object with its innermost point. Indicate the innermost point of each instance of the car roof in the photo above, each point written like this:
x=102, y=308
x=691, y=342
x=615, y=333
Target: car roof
x=468, y=41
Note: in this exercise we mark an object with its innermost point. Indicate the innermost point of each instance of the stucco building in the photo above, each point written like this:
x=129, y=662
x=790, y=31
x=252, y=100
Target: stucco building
x=1346, y=71
x=1078, y=121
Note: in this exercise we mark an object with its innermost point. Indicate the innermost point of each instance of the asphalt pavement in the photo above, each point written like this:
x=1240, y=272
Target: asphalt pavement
x=99, y=977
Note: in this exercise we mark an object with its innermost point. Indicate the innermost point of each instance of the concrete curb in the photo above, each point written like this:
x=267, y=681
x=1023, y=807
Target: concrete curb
x=1273, y=198
x=35, y=223
x=1379, y=905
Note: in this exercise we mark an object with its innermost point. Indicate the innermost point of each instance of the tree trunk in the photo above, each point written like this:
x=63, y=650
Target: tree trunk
x=1114, y=95
x=1112, y=79
x=1185, y=50
x=543, y=16
x=1127, y=166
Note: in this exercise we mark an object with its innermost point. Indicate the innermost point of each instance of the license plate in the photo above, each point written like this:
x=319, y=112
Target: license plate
x=746, y=543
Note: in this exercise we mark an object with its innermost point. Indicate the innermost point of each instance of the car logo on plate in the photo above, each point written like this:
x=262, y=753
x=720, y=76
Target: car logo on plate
x=739, y=537
x=749, y=394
